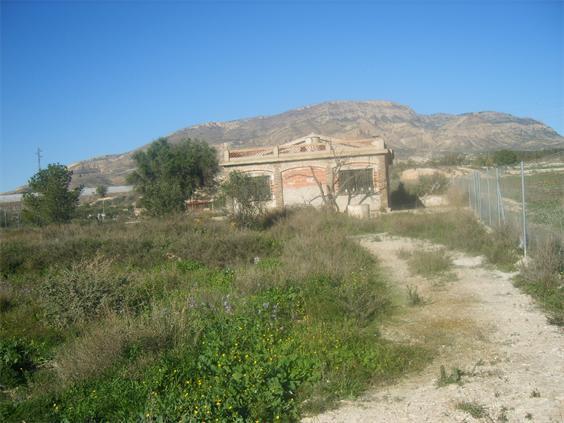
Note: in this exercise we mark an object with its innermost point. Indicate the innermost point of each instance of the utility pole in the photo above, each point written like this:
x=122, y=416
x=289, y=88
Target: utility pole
x=523, y=206
x=38, y=154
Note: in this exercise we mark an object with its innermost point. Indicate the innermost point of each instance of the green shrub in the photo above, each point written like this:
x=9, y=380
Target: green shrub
x=363, y=297
x=11, y=257
x=475, y=409
x=118, y=339
x=6, y=297
x=87, y=290
x=435, y=184
x=194, y=318
x=242, y=367
x=543, y=278
x=18, y=358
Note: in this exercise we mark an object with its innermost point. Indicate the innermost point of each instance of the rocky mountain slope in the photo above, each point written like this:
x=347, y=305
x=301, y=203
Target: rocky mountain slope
x=404, y=130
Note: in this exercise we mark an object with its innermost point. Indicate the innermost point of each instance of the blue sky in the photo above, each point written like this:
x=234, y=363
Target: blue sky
x=81, y=79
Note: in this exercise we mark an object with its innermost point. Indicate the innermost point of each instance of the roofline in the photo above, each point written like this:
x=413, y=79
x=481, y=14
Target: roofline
x=312, y=146
x=306, y=156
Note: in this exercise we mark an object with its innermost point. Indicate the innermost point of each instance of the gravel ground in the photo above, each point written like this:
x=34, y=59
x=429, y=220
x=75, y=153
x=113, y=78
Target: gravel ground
x=512, y=360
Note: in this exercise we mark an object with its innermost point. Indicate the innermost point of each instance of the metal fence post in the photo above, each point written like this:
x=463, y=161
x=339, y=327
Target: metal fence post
x=478, y=176
x=498, y=197
x=476, y=200
x=474, y=192
x=524, y=210
x=469, y=194
x=489, y=196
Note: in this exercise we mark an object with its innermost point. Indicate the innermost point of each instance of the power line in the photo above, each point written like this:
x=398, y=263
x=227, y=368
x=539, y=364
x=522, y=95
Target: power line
x=38, y=153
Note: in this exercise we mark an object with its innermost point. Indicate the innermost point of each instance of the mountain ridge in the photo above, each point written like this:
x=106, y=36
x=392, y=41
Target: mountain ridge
x=403, y=129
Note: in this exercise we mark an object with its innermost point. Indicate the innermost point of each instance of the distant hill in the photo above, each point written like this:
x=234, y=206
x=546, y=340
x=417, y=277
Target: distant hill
x=404, y=130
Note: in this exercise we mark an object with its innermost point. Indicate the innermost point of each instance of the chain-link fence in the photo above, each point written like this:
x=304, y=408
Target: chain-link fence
x=525, y=202
x=10, y=215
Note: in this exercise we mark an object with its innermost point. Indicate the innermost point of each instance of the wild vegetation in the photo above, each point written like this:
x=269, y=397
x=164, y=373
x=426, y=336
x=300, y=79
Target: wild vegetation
x=168, y=174
x=191, y=318
x=265, y=316
x=429, y=263
x=543, y=278
x=487, y=158
x=50, y=200
x=544, y=194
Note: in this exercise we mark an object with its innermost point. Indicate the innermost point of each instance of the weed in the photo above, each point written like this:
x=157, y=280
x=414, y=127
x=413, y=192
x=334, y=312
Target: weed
x=454, y=377
x=429, y=263
x=457, y=230
x=18, y=358
x=535, y=393
x=502, y=416
x=413, y=296
x=403, y=254
x=475, y=409
x=543, y=279
x=175, y=319
x=87, y=290
x=6, y=297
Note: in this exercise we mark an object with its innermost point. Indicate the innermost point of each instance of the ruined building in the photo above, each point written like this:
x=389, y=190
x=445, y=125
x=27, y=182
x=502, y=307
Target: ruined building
x=318, y=170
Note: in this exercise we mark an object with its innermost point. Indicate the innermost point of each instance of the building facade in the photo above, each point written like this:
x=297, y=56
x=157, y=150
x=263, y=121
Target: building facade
x=317, y=170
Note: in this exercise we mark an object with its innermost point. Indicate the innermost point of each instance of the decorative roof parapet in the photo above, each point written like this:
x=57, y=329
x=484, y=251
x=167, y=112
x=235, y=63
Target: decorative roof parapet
x=313, y=146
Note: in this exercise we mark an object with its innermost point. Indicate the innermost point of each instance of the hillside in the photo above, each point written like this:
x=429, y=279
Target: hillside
x=406, y=131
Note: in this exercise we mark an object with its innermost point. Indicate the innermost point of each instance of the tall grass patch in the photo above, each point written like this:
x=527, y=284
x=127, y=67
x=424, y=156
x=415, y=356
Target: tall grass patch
x=543, y=279
x=457, y=230
x=429, y=263
x=192, y=319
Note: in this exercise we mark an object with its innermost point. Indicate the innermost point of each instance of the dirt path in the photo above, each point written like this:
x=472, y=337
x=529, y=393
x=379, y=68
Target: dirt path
x=512, y=359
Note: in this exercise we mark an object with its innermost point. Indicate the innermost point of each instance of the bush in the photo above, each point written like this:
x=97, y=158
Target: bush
x=114, y=339
x=6, y=298
x=248, y=196
x=195, y=318
x=11, y=257
x=18, y=358
x=87, y=290
x=435, y=184
x=242, y=367
x=543, y=278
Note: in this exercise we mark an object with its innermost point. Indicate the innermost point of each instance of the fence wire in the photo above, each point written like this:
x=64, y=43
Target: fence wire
x=525, y=203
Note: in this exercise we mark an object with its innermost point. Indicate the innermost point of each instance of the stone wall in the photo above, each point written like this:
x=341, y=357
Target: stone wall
x=297, y=182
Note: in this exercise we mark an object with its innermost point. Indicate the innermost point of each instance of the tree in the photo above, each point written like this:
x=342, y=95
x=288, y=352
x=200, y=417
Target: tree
x=167, y=175
x=50, y=200
x=102, y=191
x=434, y=184
x=248, y=195
x=505, y=157
x=336, y=185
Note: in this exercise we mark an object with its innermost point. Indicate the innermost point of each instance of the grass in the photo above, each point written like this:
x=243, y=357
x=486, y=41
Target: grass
x=544, y=194
x=475, y=409
x=457, y=230
x=543, y=279
x=447, y=379
x=413, y=296
x=429, y=263
x=190, y=318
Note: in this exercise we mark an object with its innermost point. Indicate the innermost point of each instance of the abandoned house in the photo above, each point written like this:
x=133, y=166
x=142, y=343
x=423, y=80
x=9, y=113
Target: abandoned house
x=317, y=170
